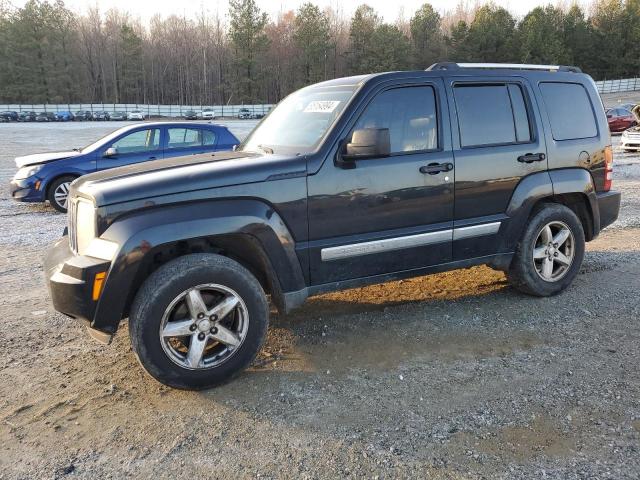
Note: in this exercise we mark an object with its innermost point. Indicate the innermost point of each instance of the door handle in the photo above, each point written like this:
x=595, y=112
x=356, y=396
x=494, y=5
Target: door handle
x=531, y=157
x=434, y=168
x=151, y=158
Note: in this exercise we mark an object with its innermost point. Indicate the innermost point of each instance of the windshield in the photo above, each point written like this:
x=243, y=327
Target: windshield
x=298, y=123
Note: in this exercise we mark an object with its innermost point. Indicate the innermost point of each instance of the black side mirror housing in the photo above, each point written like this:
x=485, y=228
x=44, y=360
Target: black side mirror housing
x=365, y=143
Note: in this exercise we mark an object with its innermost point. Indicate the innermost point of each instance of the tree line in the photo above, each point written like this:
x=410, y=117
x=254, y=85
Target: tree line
x=49, y=54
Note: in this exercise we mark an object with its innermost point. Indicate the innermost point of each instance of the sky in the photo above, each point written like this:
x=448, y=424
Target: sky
x=389, y=9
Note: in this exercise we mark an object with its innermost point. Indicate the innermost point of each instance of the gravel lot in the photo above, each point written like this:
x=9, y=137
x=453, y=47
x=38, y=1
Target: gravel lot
x=453, y=375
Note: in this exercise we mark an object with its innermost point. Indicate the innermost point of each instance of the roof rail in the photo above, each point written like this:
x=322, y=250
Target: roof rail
x=509, y=66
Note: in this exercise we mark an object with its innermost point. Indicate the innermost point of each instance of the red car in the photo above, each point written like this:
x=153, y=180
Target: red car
x=620, y=119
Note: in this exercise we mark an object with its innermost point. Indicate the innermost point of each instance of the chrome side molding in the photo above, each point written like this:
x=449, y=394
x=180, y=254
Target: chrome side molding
x=386, y=245
x=409, y=241
x=476, y=230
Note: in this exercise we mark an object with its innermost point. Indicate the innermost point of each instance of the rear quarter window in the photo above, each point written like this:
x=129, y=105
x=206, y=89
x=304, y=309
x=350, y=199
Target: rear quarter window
x=570, y=111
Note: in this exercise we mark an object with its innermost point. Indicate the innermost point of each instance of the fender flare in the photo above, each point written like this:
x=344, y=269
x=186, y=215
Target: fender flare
x=142, y=232
x=541, y=185
x=578, y=180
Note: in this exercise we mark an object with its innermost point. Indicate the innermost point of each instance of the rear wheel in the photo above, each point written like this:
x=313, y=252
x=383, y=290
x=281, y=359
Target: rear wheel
x=550, y=253
x=58, y=193
x=198, y=320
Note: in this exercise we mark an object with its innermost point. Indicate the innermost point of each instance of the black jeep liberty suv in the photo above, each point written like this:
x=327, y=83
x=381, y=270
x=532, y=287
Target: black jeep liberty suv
x=345, y=183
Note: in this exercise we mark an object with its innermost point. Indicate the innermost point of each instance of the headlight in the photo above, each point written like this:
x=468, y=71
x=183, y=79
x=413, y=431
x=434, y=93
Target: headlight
x=85, y=217
x=26, y=172
x=82, y=220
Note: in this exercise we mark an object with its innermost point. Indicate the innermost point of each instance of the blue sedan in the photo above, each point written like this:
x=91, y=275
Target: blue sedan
x=46, y=176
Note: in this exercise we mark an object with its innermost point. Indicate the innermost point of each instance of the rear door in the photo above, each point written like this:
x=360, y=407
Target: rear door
x=189, y=141
x=497, y=141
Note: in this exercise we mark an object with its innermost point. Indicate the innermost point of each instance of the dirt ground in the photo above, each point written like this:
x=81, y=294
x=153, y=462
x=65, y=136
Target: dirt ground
x=454, y=375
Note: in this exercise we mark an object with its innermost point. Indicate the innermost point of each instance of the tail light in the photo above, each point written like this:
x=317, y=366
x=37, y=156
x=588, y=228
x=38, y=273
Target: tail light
x=608, y=168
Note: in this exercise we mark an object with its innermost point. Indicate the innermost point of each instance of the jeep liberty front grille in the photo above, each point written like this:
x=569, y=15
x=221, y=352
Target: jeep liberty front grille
x=71, y=218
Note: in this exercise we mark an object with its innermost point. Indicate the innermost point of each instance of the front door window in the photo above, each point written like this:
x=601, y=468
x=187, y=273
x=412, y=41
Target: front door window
x=138, y=141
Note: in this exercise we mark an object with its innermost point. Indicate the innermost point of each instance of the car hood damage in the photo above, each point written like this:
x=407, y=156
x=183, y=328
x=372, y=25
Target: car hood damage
x=184, y=174
x=38, y=158
x=636, y=114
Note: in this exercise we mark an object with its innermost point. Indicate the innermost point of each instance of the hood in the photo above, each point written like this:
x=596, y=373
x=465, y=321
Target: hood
x=28, y=160
x=636, y=128
x=179, y=175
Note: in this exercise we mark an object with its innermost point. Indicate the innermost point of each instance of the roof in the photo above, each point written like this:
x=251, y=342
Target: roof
x=345, y=81
x=125, y=128
x=452, y=68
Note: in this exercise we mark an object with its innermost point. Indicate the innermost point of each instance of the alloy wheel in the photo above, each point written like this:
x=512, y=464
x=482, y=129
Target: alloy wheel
x=553, y=251
x=61, y=194
x=204, y=326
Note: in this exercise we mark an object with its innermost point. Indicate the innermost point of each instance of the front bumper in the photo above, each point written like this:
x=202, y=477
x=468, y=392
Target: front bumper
x=627, y=143
x=27, y=190
x=70, y=280
x=609, y=207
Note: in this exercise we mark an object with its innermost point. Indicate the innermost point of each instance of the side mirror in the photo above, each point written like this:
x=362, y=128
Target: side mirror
x=110, y=152
x=365, y=143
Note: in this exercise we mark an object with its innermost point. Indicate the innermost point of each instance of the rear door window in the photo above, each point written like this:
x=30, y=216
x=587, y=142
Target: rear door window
x=491, y=114
x=570, y=112
x=189, y=137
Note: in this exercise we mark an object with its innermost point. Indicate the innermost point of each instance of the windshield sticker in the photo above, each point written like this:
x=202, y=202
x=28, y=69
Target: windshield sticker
x=322, y=106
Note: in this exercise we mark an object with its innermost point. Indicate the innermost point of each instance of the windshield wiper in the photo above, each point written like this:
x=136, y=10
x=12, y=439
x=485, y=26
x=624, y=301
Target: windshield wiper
x=266, y=149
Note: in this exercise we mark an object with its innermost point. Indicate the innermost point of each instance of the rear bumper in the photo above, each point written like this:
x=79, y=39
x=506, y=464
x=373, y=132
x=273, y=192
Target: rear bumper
x=27, y=190
x=70, y=280
x=609, y=207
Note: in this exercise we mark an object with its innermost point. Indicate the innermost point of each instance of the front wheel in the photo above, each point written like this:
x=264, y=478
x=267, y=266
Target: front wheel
x=550, y=253
x=198, y=320
x=58, y=193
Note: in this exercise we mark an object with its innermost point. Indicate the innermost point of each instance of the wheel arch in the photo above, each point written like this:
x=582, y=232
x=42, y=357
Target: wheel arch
x=243, y=248
x=248, y=231
x=572, y=187
x=51, y=180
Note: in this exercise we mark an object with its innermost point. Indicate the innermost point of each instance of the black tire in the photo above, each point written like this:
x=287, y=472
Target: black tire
x=168, y=283
x=51, y=191
x=522, y=272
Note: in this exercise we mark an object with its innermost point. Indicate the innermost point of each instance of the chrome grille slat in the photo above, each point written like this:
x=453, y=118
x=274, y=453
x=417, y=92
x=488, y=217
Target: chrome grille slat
x=71, y=218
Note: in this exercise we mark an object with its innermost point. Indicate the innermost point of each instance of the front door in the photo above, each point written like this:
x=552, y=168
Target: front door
x=138, y=146
x=387, y=214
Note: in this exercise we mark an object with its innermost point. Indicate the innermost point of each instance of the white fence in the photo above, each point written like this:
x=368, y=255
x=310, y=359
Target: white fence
x=604, y=86
x=620, y=85
x=149, y=110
